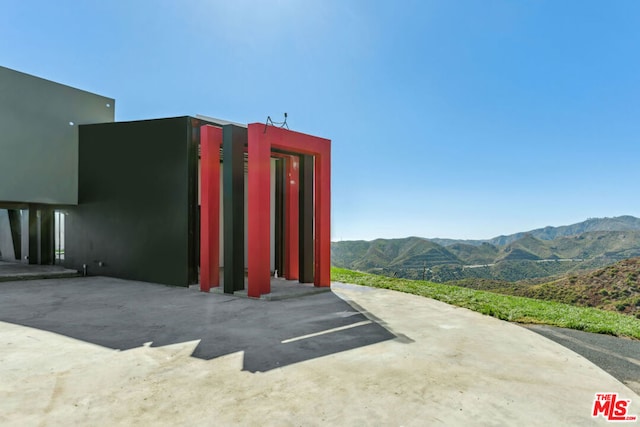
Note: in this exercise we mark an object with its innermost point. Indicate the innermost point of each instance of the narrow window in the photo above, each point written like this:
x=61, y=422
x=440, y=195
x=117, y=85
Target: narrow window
x=59, y=236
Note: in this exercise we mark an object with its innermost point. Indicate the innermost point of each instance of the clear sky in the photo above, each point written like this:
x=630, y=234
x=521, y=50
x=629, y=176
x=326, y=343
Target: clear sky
x=449, y=118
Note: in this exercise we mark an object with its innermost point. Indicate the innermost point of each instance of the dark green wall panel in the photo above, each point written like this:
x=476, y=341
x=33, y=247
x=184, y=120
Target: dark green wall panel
x=135, y=199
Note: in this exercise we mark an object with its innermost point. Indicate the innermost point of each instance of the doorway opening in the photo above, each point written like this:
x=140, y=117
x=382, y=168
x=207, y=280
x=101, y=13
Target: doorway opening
x=58, y=227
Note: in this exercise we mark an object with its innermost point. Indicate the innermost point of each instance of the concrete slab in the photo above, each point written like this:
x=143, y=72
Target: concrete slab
x=618, y=356
x=98, y=351
x=12, y=271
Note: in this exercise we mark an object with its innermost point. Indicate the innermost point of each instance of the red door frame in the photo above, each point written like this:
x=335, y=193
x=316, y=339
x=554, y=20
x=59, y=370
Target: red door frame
x=261, y=140
x=291, y=214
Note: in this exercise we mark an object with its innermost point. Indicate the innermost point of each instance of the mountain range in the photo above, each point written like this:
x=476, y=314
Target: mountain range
x=620, y=223
x=539, y=253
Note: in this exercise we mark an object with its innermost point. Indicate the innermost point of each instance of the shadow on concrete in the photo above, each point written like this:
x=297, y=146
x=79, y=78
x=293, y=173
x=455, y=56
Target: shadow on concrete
x=122, y=314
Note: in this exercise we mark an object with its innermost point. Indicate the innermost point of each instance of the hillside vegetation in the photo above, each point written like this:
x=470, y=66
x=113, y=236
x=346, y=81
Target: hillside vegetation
x=546, y=252
x=615, y=288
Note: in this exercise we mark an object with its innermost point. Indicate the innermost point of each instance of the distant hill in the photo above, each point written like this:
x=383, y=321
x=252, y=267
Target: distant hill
x=449, y=242
x=619, y=223
x=412, y=252
x=484, y=253
x=616, y=288
x=538, y=253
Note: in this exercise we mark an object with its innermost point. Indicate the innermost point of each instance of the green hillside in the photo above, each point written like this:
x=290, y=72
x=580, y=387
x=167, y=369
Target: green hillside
x=348, y=253
x=527, y=257
x=484, y=253
x=507, y=270
x=527, y=248
x=614, y=288
x=390, y=254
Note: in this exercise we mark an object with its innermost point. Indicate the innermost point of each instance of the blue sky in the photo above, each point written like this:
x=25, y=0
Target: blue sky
x=462, y=119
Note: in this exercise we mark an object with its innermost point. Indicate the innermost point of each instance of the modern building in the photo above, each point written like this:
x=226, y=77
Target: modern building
x=177, y=201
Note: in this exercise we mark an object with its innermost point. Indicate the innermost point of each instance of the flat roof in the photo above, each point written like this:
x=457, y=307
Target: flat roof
x=219, y=122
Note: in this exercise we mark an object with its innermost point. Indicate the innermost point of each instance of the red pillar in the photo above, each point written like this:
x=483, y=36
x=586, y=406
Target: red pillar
x=259, y=207
x=210, y=140
x=292, y=210
x=322, y=213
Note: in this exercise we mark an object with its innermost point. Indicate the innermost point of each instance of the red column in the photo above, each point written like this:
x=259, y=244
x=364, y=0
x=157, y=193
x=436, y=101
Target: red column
x=292, y=210
x=322, y=213
x=259, y=207
x=210, y=140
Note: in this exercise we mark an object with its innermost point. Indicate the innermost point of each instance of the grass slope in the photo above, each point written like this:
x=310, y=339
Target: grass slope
x=505, y=307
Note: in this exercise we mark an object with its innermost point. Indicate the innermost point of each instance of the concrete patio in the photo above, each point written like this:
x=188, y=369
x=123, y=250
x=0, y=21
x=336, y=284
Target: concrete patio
x=101, y=351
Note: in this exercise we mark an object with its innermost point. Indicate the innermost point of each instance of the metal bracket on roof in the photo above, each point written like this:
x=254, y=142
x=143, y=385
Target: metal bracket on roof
x=279, y=124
